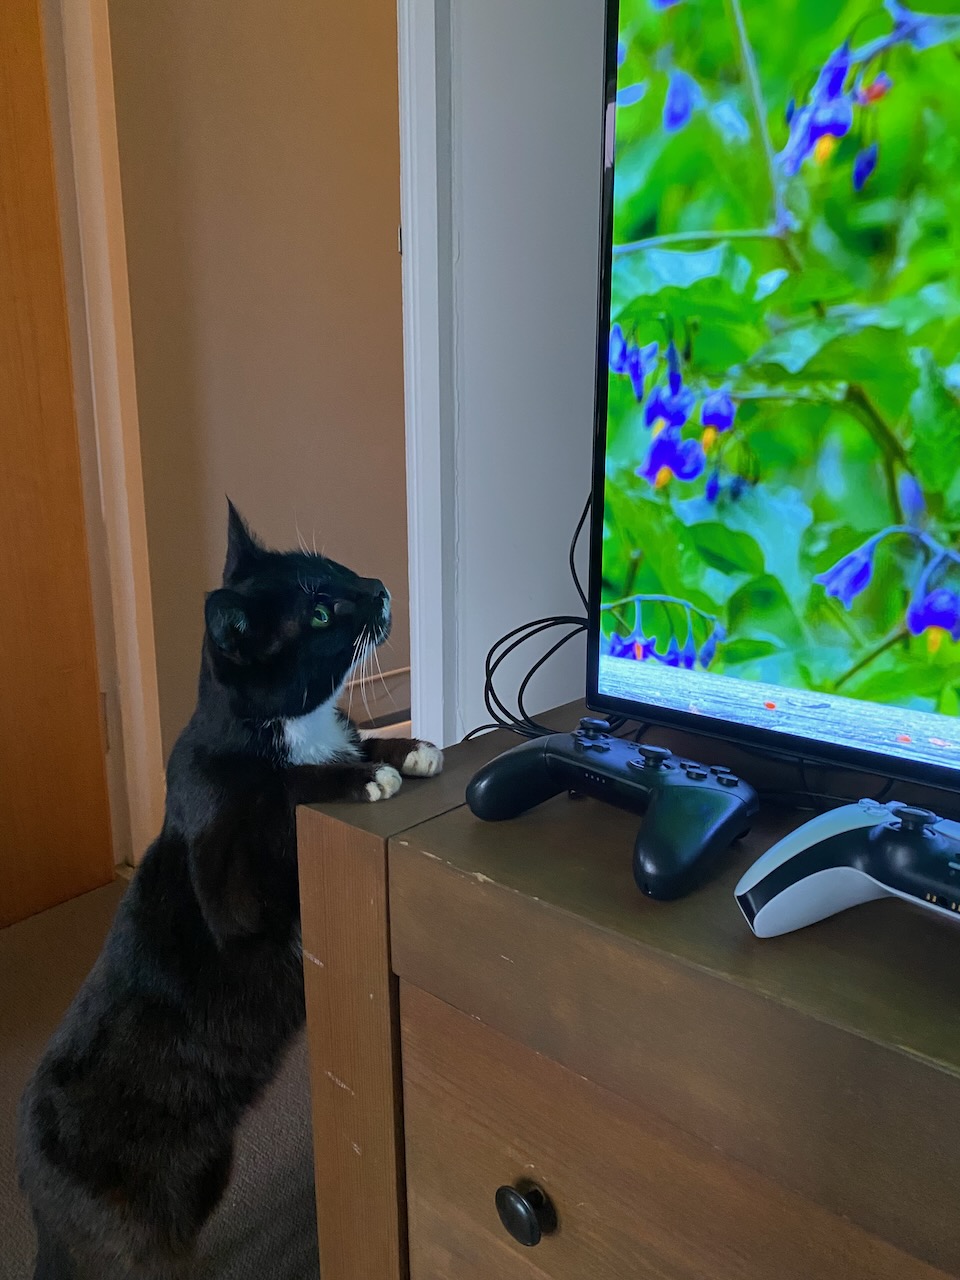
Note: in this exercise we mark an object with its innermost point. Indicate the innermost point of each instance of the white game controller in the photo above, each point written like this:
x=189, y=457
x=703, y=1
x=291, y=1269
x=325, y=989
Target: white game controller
x=854, y=854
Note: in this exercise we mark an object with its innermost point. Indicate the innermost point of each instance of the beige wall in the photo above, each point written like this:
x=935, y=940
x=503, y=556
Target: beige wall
x=260, y=167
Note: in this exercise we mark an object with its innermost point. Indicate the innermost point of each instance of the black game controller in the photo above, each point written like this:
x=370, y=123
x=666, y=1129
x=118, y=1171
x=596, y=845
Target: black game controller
x=693, y=812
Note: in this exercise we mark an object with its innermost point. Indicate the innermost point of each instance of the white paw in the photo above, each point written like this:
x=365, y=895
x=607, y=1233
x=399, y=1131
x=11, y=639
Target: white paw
x=386, y=783
x=423, y=762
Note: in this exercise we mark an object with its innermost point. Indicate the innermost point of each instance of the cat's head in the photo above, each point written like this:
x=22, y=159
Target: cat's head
x=287, y=627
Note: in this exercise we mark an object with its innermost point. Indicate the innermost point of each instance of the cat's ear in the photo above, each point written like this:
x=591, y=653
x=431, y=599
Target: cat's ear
x=228, y=624
x=243, y=548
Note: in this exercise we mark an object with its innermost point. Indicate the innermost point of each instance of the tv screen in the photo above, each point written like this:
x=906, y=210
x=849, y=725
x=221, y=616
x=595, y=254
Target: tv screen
x=777, y=486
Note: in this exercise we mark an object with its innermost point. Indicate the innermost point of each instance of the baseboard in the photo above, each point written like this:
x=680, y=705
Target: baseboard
x=382, y=703
x=402, y=729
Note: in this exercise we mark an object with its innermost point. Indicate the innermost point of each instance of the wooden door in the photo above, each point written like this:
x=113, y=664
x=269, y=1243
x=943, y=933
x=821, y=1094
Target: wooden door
x=54, y=818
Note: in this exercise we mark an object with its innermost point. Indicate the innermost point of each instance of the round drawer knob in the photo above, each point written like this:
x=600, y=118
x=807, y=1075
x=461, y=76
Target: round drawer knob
x=527, y=1213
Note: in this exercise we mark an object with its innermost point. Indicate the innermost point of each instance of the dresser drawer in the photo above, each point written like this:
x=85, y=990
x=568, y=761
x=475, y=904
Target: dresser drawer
x=634, y=1196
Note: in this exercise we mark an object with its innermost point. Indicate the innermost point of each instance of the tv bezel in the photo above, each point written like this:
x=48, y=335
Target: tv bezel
x=750, y=737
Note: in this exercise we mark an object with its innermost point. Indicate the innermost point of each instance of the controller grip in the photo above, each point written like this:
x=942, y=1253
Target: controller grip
x=814, y=898
x=680, y=841
x=512, y=783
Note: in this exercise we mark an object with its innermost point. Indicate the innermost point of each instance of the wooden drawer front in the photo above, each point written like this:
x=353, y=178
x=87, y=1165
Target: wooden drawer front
x=635, y=1197
x=514, y=924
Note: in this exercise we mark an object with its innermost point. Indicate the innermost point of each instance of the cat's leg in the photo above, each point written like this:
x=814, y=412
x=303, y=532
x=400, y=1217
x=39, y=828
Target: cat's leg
x=412, y=757
x=362, y=782
x=53, y=1260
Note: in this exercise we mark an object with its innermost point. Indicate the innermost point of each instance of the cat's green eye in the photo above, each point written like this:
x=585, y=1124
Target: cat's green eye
x=322, y=617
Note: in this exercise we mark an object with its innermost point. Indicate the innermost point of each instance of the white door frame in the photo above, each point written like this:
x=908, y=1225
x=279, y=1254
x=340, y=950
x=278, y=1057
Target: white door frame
x=430, y=407
x=91, y=107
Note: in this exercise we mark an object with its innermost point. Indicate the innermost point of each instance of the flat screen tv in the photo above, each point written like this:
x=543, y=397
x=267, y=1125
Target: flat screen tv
x=775, y=548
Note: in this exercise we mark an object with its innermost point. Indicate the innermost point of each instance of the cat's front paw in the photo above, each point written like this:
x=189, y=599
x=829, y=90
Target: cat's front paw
x=384, y=783
x=423, y=761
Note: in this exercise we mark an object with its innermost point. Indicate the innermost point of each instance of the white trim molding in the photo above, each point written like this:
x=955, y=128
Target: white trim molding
x=424, y=53
x=96, y=165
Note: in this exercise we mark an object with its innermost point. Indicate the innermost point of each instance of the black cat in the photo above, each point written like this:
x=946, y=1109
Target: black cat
x=126, y=1128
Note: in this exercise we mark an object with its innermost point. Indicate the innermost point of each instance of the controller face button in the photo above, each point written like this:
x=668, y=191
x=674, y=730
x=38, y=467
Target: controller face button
x=728, y=780
x=697, y=775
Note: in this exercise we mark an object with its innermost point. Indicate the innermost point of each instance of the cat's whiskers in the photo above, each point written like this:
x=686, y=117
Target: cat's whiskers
x=353, y=666
x=386, y=687
x=364, y=671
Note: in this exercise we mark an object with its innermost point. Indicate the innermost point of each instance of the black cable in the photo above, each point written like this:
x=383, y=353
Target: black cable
x=885, y=790
x=522, y=722
x=501, y=716
x=481, y=728
x=538, y=664
x=573, y=551
x=524, y=725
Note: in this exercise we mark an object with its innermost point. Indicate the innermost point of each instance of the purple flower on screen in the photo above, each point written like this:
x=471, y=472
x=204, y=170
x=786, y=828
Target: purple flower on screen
x=718, y=411
x=642, y=361
x=626, y=357
x=688, y=654
x=674, y=376
x=684, y=97
x=864, y=166
x=828, y=113
x=670, y=456
x=617, y=350
x=938, y=608
x=616, y=646
x=712, y=490
x=664, y=406
x=850, y=575
x=833, y=74
x=709, y=650
x=672, y=657
x=911, y=499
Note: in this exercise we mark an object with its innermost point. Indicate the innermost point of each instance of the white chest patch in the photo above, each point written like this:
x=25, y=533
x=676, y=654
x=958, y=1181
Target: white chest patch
x=318, y=737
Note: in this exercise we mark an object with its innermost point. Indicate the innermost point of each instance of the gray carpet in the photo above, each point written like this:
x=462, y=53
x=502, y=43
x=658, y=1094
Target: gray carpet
x=266, y=1226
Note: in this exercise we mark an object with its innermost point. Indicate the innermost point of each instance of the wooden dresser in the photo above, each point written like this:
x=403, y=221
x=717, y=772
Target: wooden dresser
x=495, y=1007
